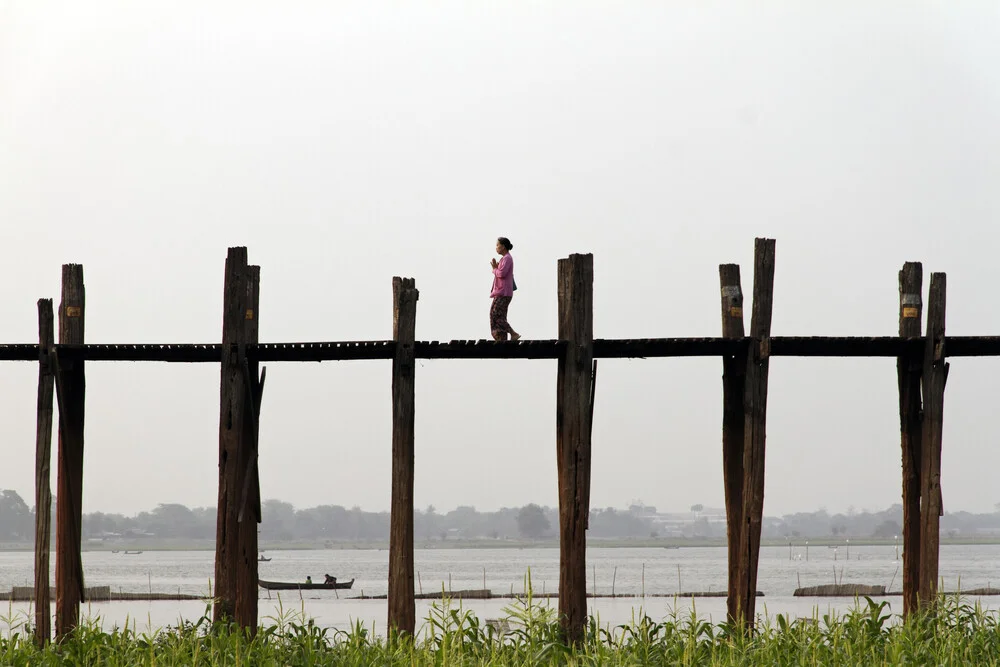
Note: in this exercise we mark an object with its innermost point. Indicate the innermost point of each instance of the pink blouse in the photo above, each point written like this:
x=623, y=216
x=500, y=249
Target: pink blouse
x=503, y=277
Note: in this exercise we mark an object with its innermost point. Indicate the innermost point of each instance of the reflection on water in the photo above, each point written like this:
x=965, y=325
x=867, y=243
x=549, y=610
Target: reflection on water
x=630, y=571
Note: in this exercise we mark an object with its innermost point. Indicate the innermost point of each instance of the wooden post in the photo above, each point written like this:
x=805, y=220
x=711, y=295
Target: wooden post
x=249, y=501
x=576, y=329
x=402, y=609
x=935, y=374
x=733, y=380
x=43, y=456
x=70, y=391
x=236, y=539
x=755, y=418
x=908, y=370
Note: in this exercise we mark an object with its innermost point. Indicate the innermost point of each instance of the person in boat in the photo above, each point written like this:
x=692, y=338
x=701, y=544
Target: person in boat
x=329, y=580
x=309, y=579
x=503, y=291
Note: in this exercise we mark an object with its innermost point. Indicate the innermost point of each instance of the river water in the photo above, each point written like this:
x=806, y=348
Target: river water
x=621, y=570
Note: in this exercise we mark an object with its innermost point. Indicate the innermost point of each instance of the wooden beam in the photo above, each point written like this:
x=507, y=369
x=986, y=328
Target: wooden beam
x=573, y=440
x=71, y=387
x=840, y=346
x=665, y=347
x=43, y=457
x=488, y=349
x=754, y=430
x=781, y=346
x=972, y=346
x=402, y=610
x=733, y=387
x=236, y=541
x=935, y=374
x=908, y=370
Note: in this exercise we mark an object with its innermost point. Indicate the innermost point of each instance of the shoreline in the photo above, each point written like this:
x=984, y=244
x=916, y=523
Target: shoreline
x=486, y=543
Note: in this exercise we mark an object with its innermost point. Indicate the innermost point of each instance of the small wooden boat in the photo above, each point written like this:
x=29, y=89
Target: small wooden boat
x=302, y=586
x=132, y=553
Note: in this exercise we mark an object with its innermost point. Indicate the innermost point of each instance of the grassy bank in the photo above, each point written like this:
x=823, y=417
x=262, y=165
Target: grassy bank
x=867, y=635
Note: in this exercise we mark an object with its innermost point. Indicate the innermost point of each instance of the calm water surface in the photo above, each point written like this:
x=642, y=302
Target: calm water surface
x=630, y=571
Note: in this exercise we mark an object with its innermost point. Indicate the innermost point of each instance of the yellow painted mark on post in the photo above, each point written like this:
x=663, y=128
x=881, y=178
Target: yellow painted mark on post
x=910, y=312
x=249, y=313
x=72, y=311
x=736, y=311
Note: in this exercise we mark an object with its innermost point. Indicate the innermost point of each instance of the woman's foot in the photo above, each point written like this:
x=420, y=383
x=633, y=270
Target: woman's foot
x=515, y=336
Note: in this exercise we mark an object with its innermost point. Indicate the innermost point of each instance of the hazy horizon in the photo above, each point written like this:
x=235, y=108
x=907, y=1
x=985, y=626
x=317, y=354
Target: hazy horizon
x=346, y=144
x=850, y=511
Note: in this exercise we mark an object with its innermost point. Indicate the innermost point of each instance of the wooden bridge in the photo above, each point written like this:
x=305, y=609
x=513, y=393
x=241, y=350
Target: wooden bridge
x=922, y=372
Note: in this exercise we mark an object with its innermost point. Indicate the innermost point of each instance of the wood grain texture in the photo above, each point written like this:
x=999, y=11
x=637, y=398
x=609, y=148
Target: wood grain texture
x=733, y=389
x=754, y=430
x=908, y=372
x=935, y=374
x=70, y=389
x=402, y=609
x=573, y=436
x=248, y=481
x=236, y=541
x=43, y=459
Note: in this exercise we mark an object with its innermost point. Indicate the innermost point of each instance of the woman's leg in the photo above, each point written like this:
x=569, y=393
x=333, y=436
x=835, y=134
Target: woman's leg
x=513, y=334
x=498, y=319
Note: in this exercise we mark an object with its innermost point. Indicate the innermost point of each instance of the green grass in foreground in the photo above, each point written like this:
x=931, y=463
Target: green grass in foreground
x=867, y=635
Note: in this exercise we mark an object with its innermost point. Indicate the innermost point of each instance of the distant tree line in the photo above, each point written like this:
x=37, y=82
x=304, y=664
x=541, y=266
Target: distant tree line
x=283, y=523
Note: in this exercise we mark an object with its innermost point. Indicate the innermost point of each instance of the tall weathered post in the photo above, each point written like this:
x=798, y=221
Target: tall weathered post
x=935, y=374
x=754, y=430
x=43, y=458
x=908, y=370
x=70, y=391
x=238, y=512
x=573, y=436
x=733, y=378
x=248, y=508
x=402, y=609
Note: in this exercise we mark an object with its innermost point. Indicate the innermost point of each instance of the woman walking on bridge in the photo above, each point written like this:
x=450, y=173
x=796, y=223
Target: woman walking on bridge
x=503, y=291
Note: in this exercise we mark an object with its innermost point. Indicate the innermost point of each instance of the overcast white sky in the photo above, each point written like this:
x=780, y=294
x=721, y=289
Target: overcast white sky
x=345, y=143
